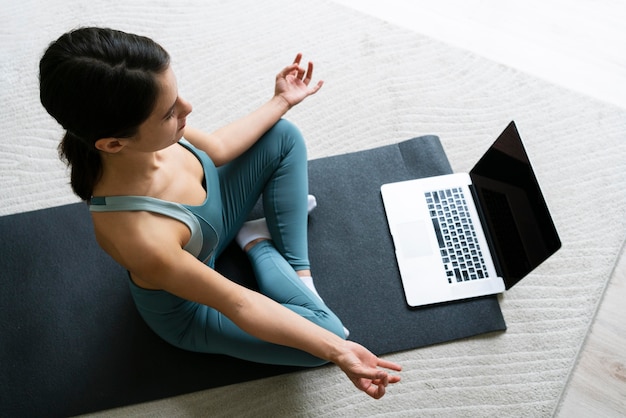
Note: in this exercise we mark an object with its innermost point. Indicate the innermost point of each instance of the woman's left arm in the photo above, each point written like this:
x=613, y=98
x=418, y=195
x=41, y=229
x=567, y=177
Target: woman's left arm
x=227, y=143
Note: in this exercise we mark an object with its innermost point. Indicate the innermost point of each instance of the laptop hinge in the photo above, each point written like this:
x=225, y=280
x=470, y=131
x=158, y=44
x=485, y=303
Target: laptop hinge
x=488, y=236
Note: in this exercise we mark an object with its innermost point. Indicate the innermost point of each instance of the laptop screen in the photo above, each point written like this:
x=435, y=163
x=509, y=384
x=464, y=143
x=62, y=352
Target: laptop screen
x=518, y=224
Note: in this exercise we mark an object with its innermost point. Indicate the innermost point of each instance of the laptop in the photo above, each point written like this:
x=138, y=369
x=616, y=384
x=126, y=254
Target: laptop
x=467, y=235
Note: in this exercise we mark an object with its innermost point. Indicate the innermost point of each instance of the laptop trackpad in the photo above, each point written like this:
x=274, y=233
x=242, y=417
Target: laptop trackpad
x=412, y=239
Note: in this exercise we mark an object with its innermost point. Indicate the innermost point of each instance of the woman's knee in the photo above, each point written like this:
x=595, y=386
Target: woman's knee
x=328, y=320
x=286, y=127
x=289, y=136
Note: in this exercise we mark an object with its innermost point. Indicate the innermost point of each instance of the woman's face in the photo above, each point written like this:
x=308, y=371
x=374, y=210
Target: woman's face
x=166, y=124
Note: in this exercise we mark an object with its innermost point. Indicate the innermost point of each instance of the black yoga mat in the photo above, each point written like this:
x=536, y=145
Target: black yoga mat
x=71, y=341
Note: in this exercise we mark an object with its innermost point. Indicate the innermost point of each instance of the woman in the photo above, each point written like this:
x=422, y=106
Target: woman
x=165, y=207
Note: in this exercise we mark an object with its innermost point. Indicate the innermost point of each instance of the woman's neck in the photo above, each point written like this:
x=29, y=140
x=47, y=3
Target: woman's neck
x=173, y=174
x=127, y=173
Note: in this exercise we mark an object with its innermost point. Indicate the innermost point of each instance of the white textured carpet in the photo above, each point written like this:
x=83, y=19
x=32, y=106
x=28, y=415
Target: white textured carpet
x=383, y=85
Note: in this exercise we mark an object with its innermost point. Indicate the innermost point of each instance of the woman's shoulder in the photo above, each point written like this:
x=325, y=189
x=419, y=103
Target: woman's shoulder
x=132, y=236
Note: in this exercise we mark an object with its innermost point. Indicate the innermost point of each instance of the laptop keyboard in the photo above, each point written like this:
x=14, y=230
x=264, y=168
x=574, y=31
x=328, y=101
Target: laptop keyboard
x=458, y=245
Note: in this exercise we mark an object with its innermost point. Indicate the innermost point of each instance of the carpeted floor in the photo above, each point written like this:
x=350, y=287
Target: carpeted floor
x=383, y=85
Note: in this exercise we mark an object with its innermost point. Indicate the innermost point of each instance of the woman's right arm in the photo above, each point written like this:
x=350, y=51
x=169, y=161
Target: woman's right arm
x=292, y=86
x=154, y=257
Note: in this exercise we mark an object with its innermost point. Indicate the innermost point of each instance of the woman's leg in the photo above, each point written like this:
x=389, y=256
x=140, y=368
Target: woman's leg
x=276, y=167
x=277, y=280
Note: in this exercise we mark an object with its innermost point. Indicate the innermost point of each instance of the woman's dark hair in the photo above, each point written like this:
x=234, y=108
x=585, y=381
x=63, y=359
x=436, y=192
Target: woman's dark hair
x=98, y=83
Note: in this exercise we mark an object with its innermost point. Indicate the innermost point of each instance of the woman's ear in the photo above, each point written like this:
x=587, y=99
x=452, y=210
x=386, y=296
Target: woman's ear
x=110, y=145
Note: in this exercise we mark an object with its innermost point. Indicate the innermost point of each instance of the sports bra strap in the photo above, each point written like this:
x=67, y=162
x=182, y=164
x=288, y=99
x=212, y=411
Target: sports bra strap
x=151, y=204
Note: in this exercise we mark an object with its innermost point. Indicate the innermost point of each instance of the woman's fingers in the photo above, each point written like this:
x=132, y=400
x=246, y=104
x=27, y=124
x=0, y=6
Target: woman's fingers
x=298, y=58
x=389, y=365
x=298, y=71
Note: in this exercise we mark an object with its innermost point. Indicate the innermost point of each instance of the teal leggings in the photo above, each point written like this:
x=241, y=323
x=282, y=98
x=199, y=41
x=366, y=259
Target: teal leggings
x=276, y=169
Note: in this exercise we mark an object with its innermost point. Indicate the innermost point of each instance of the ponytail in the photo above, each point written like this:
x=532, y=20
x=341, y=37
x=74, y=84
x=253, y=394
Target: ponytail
x=84, y=161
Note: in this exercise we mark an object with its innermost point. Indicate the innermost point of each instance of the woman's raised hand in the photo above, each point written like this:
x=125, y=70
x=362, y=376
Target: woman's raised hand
x=364, y=370
x=293, y=82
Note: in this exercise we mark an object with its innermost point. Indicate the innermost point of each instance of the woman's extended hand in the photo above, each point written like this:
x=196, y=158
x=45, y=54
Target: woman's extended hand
x=292, y=83
x=363, y=369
